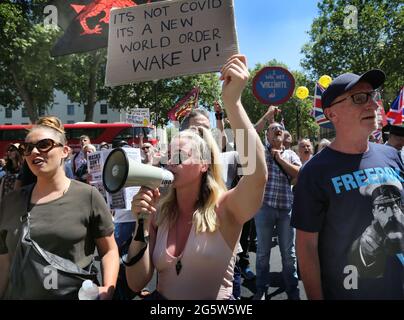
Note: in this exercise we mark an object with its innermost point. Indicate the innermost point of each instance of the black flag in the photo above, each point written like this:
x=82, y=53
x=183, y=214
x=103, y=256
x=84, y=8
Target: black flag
x=85, y=23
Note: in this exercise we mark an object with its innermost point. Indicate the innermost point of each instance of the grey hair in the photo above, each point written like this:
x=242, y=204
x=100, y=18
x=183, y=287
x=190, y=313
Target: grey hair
x=194, y=113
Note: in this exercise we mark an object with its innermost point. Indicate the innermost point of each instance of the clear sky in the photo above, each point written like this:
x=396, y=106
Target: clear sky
x=274, y=29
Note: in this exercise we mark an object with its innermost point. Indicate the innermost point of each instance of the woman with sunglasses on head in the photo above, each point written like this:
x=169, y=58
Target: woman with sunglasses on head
x=65, y=217
x=14, y=162
x=194, y=232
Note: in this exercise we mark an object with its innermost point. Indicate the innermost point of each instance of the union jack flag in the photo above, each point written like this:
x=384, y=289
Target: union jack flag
x=381, y=119
x=377, y=136
x=317, y=111
x=396, y=112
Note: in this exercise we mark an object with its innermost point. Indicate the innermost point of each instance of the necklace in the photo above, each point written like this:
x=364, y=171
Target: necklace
x=178, y=266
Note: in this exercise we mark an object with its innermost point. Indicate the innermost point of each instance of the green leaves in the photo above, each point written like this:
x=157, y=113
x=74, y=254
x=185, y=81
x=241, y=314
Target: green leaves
x=160, y=96
x=28, y=71
x=377, y=43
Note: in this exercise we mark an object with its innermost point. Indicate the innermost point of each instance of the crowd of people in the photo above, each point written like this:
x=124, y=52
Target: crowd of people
x=335, y=208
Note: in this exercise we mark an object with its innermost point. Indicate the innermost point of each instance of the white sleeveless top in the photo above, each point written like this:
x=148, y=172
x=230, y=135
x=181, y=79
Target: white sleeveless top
x=207, y=267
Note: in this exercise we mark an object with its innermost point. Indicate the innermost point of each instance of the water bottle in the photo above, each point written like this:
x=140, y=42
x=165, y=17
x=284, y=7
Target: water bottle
x=88, y=291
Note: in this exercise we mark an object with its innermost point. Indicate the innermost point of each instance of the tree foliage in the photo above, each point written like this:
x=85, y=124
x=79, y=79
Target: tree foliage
x=81, y=79
x=28, y=71
x=377, y=42
x=30, y=75
x=160, y=96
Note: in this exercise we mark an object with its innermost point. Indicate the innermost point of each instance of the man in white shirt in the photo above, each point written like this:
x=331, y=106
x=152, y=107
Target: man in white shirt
x=80, y=158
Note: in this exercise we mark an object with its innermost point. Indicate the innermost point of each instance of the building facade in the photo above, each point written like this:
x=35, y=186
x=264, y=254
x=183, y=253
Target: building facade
x=66, y=111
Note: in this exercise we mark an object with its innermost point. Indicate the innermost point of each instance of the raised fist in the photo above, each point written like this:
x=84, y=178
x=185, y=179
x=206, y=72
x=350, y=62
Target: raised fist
x=371, y=243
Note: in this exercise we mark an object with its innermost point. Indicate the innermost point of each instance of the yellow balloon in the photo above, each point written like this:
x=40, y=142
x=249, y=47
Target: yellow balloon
x=302, y=93
x=145, y=122
x=325, y=81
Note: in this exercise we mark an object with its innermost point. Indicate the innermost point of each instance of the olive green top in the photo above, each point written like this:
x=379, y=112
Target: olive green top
x=67, y=226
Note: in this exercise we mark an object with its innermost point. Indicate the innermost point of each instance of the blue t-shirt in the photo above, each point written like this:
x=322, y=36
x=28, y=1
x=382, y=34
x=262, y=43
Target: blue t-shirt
x=336, y=196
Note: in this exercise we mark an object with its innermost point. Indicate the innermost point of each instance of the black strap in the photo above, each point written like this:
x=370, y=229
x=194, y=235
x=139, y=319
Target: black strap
x=54, y=260
x=140, y=232
x=135, y=259
x=139, y=236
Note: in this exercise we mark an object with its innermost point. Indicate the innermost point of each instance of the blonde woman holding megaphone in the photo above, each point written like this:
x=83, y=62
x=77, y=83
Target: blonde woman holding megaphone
x=190, y=235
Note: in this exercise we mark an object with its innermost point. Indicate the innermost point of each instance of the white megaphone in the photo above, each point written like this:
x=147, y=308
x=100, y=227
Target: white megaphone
x=120, y=171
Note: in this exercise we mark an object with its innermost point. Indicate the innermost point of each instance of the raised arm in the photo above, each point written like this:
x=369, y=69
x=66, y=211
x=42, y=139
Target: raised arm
x=268, y=117
x=242, y=202
x=219, y=114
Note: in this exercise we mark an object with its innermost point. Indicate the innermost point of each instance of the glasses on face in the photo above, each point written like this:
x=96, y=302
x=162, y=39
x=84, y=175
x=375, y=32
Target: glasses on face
x=11, y=149
x=44, y=146
x=277, y=127
x=144, y=148
x=361, y=97
x=179, y=157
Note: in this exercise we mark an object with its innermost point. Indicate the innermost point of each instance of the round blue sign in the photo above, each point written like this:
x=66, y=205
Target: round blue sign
x=273, y=85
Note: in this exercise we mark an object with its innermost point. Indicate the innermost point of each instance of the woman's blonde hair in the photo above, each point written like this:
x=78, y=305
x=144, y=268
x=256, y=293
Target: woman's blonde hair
x=51, y=123
x=212, y=184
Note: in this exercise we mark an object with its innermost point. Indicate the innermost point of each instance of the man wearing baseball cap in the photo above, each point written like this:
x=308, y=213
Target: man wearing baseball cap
x=329, y=211
x=396, y=138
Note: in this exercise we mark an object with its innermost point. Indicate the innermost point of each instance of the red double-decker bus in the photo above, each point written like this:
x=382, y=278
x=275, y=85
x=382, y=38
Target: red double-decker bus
x=111, y=133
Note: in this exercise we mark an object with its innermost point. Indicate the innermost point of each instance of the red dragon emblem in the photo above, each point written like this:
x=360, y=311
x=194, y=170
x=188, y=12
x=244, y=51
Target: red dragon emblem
x=94, y=9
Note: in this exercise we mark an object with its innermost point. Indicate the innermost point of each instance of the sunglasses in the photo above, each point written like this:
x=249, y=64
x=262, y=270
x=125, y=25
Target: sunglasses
x=278, y=127
x=44, y=146
x=144, y=148
x=179, y=157
x=361, y=97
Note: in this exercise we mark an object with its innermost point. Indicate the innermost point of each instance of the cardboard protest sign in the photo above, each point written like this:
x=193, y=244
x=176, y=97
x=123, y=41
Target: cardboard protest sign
x=139, y=117
x=117, y=200
x=95, y=164
x=124, y=214
x=100, y=187
x=168, y=39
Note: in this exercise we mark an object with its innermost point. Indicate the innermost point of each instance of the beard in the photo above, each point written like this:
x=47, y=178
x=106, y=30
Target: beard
x=394, y=241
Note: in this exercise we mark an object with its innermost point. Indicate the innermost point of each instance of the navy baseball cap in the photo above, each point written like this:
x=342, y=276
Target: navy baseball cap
x=397, y=130
x=347, y=81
